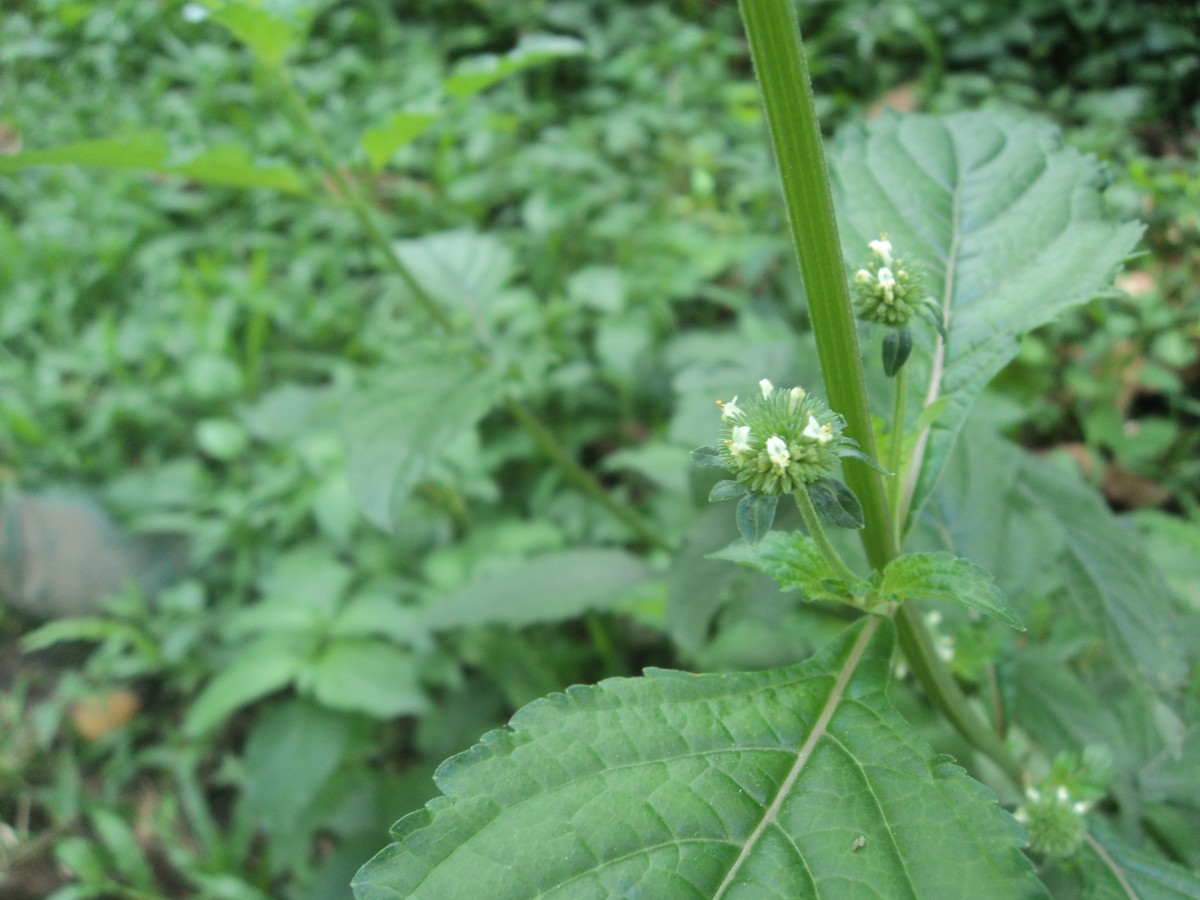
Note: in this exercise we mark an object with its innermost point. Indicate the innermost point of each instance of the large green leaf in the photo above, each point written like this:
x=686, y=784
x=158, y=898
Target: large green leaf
x=461, y=270
x=794, y=782
x=397, y=429
x=478, y=73
x=1113, y=870
x=226, y=164
x=381, y=141
x=546, y=588
x=1110, y=582
x=270, y=28
x=1009, y=226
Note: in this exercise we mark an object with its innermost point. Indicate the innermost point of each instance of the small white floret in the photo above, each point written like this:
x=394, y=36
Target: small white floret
x=731, y=410
x=777, y=451
x=741, y=440
x=767, y=388
x=862, y=276
x=795, y=396
x=822, y=434
x=883, y=249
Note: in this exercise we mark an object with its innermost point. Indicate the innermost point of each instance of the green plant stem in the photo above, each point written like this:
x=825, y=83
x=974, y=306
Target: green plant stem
x=943, y=690
x=580, y=476
x=359, y=205
x=816, y=531
x=782, y=70
x=773, y=32
x=896, y=455
x=363, y=211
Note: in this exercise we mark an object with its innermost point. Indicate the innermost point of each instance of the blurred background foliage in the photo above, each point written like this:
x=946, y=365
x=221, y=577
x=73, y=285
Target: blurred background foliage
x=176, y=353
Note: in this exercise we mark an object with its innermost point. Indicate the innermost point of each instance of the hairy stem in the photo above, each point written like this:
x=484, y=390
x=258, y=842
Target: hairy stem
x=782, y=70
x=896, y=456
x=816, y=531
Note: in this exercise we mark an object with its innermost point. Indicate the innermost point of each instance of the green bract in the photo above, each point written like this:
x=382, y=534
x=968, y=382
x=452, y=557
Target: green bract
x=781, y=441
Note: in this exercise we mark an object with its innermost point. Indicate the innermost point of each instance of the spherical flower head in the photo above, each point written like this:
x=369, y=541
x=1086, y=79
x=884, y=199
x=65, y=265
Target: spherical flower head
x=781, y=441
x=1055, y=824
x=889, y=288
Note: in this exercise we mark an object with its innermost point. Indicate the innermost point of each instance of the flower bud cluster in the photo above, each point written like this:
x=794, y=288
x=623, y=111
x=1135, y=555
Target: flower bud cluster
x=1055, y=821
x=888, y=289
x=778, y=442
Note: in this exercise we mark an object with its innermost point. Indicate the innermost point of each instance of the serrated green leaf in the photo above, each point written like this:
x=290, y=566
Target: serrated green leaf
x=755, y=515
x=269, y=28
x=716, y=786
x=836, y=503
x=1110, y=582
x=727, y=490
x=461, y=270
x=1008, y=225
x=792, y=559
x=547, y=588
x=1113, y=870
x=480, y=72
x=231, y=165
x=261, y=668
x=402, y=127
x=944, y=576
x=366, y=676
x=396, y=429
x=291, y=753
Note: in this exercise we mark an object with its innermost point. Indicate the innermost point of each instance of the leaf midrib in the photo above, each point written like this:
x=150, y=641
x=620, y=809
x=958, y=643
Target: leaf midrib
x=820, y=727
x=937, y=371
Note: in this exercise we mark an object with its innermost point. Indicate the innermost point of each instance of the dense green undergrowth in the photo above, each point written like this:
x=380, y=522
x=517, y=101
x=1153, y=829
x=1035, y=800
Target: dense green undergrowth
x=212, y=348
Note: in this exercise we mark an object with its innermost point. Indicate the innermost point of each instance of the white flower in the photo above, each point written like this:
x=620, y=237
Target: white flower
x=795, y=396
x=1081, y=807
x=778, y=452
x=822, y=434
x=1062, y=795
x=862, y=276
x=741, y=440
x=767, y=388
x=887, y=281
x=730, y=410
x=883, y=249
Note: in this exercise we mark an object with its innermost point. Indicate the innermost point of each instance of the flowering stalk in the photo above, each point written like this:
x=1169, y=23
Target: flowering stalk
x=816, y=531
x=895, y=488
x=782, y=71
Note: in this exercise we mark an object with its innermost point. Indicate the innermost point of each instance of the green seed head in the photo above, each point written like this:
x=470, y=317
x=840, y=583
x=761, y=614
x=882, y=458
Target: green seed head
x=781, y=440
x=888, y=289
x=1055, y=823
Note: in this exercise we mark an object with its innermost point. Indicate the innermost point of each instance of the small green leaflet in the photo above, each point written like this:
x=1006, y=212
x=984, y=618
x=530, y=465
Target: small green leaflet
x=480, y=72
x=226, y=164
x=755, y=516
x=946, y=577
x=793, y=560
x=717, y=786
x=836, y=503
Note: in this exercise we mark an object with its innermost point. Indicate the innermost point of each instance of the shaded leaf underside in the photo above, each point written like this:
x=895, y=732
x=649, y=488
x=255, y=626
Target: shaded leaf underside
x=794, y=782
